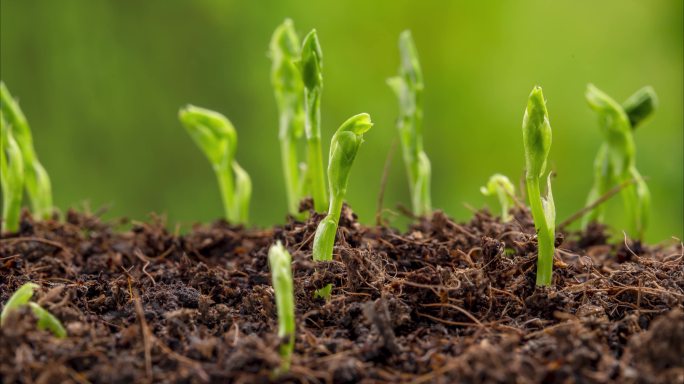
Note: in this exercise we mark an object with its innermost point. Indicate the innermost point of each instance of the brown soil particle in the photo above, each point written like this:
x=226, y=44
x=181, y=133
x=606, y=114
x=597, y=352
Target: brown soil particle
x=444, y=302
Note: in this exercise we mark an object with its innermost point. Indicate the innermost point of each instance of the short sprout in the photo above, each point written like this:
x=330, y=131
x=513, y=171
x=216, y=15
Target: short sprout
x=22, y=298
x=280, y=262
x=11, y=178
x=504, y=190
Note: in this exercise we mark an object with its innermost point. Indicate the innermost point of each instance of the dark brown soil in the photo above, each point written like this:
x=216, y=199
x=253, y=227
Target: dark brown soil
x=442, y=303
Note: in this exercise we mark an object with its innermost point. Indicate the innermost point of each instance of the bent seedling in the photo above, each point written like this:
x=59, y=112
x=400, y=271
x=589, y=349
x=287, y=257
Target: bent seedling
x=215, y=135
x=615, y=161
x=537, y=142
x=22, y=298
x=289, y=94
x=408, y=86
x=504, y=190
x=344, y=146
x=36, y=179
x=280, y=263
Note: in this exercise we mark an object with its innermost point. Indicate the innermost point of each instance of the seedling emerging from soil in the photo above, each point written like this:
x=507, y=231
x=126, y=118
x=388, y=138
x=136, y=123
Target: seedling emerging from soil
x=288, y=89
x=21, y=298
x=11, y=178
x=311, y=66
x=280, y=262
x=537, y=142
x=408, y=86
x=216, y=137
x=344, y=146
x=36, y=178
x=504, y=190
x=615, y=162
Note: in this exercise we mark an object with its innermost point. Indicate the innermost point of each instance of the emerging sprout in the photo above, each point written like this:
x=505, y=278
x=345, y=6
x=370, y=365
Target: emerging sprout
x=36, y=178
x=344, y=146
x=408, y=86
x=288, y=89
x=504, y=190
x=311, y=66
x=21, y=298
x=615, y=162
x=280, y=262
x=537, y=142
x=11, y=178
x=216, y=137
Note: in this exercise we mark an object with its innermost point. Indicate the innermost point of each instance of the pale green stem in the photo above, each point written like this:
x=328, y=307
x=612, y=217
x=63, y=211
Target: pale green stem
x=314, y=152
x=545, y=239
x=227, y=188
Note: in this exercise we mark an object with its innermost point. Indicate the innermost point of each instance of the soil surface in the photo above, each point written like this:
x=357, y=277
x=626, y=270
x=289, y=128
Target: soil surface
x=444, y=302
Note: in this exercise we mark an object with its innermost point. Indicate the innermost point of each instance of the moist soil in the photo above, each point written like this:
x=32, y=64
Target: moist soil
x=443, y=302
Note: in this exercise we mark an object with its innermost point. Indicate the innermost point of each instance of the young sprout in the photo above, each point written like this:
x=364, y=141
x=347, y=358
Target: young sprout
x=344, y=146
x=537, y=141
x=216, y=137
x=311, y=65
x=288, y=89
x=615, y=162
x=504, y=190
x=11, y=178
x=408, y=86
x=280, y=262
x=22, y=298
x=36, y=178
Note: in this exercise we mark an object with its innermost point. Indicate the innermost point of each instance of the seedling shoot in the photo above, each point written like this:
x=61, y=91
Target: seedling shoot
x=504, y=190
x=311, y=65
x=36, y=179
x=289, y=94
x=215, y=135
x=615, y=161
x=537, y=142
x=408, y=86
x=344, y=146
x=22, y=298
x=280, y=262
x=11, y=178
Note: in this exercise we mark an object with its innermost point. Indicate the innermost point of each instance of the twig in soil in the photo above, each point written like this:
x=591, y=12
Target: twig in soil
x=13, y=240
x=383, y=183
x=146, y=333
x=447, y=322
x=605, y=197
x=139, y=255
x=456, y=307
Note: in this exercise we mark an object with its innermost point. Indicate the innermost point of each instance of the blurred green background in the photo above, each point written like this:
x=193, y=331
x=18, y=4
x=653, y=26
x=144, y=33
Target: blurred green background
x=101, y=83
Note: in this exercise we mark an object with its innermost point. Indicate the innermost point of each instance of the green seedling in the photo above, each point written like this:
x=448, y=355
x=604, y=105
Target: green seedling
x=504, y=190
x=408, y=86
x=344, y=146
x=289, y=90
x=537, y=141
x=11, y=178
x=311, y=65
x=280, y=262
x=22, y=298
x=216, y=137
x=36, y=179
x=615, y=162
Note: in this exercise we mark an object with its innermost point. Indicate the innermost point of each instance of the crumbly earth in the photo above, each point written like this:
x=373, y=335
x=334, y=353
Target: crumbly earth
x=442, y=303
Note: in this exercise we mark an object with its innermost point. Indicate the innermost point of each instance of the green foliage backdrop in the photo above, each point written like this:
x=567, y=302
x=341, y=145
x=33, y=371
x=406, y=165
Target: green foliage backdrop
x=101, y=83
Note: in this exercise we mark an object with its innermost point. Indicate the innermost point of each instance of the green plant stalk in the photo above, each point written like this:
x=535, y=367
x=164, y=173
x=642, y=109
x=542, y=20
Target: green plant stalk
x=215, y=135
x=408, y=86
x=288, y=89
x=36, y=179
x=311, y=65
x=537, y=144
x=616, y=159
x=11, y=178
x=344, y=146
x=280, y=262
